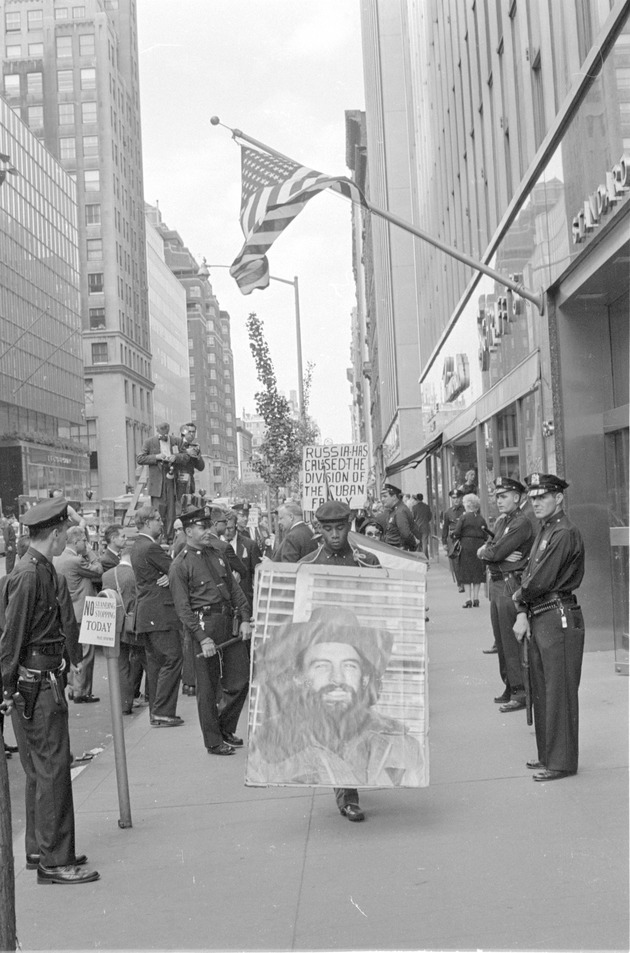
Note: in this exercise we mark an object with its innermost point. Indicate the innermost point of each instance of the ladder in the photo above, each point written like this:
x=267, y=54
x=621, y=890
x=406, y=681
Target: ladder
x=141, y=483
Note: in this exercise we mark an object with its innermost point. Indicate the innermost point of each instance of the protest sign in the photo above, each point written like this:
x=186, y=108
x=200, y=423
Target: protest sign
x=98, y=624
x=335, y=471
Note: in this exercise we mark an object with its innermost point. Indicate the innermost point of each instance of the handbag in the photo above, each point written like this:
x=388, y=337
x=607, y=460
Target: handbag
x=455, y=549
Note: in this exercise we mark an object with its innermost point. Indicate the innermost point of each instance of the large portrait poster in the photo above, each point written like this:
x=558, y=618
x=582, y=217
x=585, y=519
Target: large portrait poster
x=338, y=694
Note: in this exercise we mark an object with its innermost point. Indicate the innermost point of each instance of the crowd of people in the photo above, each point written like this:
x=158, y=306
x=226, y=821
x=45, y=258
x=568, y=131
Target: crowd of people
x=186, y=614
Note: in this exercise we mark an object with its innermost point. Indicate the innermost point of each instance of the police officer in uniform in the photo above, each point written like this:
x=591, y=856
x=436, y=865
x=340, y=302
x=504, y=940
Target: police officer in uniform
x=31, y=657
x=549, y=616
x=506, y=555
x=335, y=550
x=206, y=598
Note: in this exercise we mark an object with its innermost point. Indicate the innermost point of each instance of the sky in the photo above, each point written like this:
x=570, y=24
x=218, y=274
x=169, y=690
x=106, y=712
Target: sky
x=284, y=72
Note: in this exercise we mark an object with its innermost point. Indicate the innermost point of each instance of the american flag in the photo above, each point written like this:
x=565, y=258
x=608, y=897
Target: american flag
x=274, y=191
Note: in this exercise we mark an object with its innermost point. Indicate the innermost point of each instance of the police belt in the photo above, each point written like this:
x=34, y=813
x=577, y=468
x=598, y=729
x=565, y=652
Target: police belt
x=40, y=675
x=217, y=608
x=46, y=648
x=497, y=575
x=553, y=600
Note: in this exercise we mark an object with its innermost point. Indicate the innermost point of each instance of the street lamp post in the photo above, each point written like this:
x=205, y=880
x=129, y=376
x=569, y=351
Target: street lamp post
x=205, y=273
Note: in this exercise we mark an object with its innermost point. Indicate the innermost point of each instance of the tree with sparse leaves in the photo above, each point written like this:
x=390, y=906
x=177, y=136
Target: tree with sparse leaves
x=280, y=453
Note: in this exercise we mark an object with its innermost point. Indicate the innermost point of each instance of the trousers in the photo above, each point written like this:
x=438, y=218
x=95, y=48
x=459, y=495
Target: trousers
x=503, y=617
x=230, y=673
x=164, y=666
x=345, y=796
x=44, y=746
x=130, y=668
x=81, y=685
x=555, y=660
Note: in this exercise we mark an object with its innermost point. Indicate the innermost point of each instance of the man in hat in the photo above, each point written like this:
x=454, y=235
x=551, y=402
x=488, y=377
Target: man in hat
x=319, y=682
x=506, y=555
x=451, y=516
x=549, y=616
x=400, y=530
x=31, y=659
x=206, y=598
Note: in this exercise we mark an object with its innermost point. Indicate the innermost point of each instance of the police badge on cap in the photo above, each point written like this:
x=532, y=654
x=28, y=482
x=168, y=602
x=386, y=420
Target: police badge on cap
x=502, y=484
x=540, y=483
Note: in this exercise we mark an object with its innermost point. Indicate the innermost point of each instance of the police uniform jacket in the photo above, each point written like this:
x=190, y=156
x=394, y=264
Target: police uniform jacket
x=400, y=528
x=451, y=516
x=155, y=610
x=193, y=582
x=556, y=563
x=35, y=614
x=512, y=532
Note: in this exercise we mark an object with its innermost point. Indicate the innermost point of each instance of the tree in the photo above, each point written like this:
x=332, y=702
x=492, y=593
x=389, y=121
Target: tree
x=281, y=449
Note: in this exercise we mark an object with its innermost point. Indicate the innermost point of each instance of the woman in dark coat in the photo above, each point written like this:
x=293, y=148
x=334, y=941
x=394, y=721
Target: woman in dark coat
x=472, y=531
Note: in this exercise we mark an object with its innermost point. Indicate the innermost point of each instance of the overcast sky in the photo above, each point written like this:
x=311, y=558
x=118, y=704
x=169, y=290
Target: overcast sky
x=283, y=71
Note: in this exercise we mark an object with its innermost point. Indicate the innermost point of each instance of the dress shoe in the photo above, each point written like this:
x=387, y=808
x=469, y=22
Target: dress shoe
x=85, y=699
x=467, y=605
x=475, y=603
x=65, y=875
x=7, y=754
x=127, y=711
x=492, y=651
x=514, y=705
x=353, y=812
x=232, y=740
x=534, y=763
x=461, y=589
x=10, y=749
x=505, y=697
x=221, y=749
x=163, y=721
x=32, y=861
x=547, y=774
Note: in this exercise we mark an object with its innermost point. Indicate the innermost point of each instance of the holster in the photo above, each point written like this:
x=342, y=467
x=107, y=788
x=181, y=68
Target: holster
x=29, y=690
x=512, y=581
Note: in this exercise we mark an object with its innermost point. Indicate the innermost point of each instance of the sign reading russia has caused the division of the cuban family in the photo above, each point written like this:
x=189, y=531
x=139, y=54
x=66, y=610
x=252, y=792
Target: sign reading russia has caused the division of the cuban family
x=338, y=471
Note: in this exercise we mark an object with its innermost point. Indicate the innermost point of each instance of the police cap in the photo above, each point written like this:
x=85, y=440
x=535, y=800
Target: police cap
x=455, y=493
x=390, y=488
x=198, y=515
x=540, y=483
x=332, y=511
x=48, y=513
x=505, y=483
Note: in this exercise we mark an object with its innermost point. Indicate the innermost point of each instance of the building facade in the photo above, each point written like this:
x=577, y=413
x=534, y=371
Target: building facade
x=41, y=367
x=70, y=69
x=521, y=157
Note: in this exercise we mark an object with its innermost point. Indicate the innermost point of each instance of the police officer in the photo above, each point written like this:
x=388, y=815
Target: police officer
x=451, y=516
x=206, y=598
x=549, y=616
x=335, y=550
x=400, y=530
x=31, y=657
x=506, y=555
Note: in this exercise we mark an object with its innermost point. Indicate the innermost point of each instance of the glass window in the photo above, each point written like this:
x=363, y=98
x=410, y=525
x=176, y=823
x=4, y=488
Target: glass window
x=12, y=84
x=92, y=180
x=12, y=22
x=94, y=249
x=65, y=82
x=97, y=318
x=61, y=13
x=67, y=148
x=13, y=52
x=64, y=47
x=78, y=12
x=90, y=145
x=35, y=49
x=88, y=78
x=92, y=214
x=65, y=112
x=36, y=117
x=86, y=44
x=34, y=84
x=95, y=283
x=88, y=111
x=35, y=19
x=99, y=353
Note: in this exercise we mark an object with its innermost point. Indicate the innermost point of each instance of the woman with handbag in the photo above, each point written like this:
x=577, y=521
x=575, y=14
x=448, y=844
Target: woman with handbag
x=471, y=530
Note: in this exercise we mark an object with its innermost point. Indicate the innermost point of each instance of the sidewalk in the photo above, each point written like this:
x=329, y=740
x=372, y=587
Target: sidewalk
x=482, y=859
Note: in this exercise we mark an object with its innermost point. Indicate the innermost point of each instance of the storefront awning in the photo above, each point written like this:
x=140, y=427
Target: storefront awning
x=415, y=459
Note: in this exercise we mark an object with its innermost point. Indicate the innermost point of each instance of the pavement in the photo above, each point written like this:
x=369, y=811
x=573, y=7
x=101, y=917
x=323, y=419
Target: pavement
x=482, y=859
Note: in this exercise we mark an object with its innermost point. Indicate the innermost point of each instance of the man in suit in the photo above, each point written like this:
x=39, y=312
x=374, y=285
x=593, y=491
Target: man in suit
x=185, y=483
x=115, y=540
x=163, y=457
x=247, y=551
x=82, y=570
x=298, y=538
x=157, y=619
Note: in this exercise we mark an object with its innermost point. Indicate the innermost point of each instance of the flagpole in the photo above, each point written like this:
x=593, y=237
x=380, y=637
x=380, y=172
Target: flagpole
x=537, y=299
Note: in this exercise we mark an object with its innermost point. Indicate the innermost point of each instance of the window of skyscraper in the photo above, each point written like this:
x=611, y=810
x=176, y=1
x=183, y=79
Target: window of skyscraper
x=61, y=13
x=13, y=22
x=13, y=52
x=92, y=180
x=12, y=84
x=94, y=249
x=35, y=117
x=90, y=145
x=95, y=283
x=78, y=12
x=64, y=80
x=65, y=114
x=64, y=47
x=97, y=318
x=88, y=78
x=88, y=111
x=92, y=214
x=99, y=353
x=35, y=49
x=67, y=148
x=34, y=84
x=35, y=19
x=86, y=44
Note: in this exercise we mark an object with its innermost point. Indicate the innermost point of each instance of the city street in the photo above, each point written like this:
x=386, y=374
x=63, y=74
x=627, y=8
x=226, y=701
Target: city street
x=481, y=859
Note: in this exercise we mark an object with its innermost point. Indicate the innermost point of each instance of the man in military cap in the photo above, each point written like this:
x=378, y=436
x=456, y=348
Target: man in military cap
x=206, y=598
x=31, y=657
x=451, y=516
x=400, y=530
x=549, y=616
x=506, y=555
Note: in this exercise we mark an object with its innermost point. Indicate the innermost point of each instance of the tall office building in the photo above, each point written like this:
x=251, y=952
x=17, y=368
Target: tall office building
x=70, y=69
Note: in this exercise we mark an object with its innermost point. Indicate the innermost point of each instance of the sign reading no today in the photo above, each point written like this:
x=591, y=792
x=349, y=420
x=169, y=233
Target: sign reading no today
x=98, y=624
x=339, y=471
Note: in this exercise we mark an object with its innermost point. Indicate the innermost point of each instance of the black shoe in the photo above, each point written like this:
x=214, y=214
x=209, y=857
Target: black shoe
x=492, y=651
x=163, y=721
x=514, y=705
x=534, y=763
x=85, y=699
x=548, y=774
x=66, y=875
x=505, y=697
x=461, y=589
x=467, y=605
x=221, y=749
x=475, y=603
x=353, y=812
x=232, y=740
x=10, y=749
x=32, y=861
